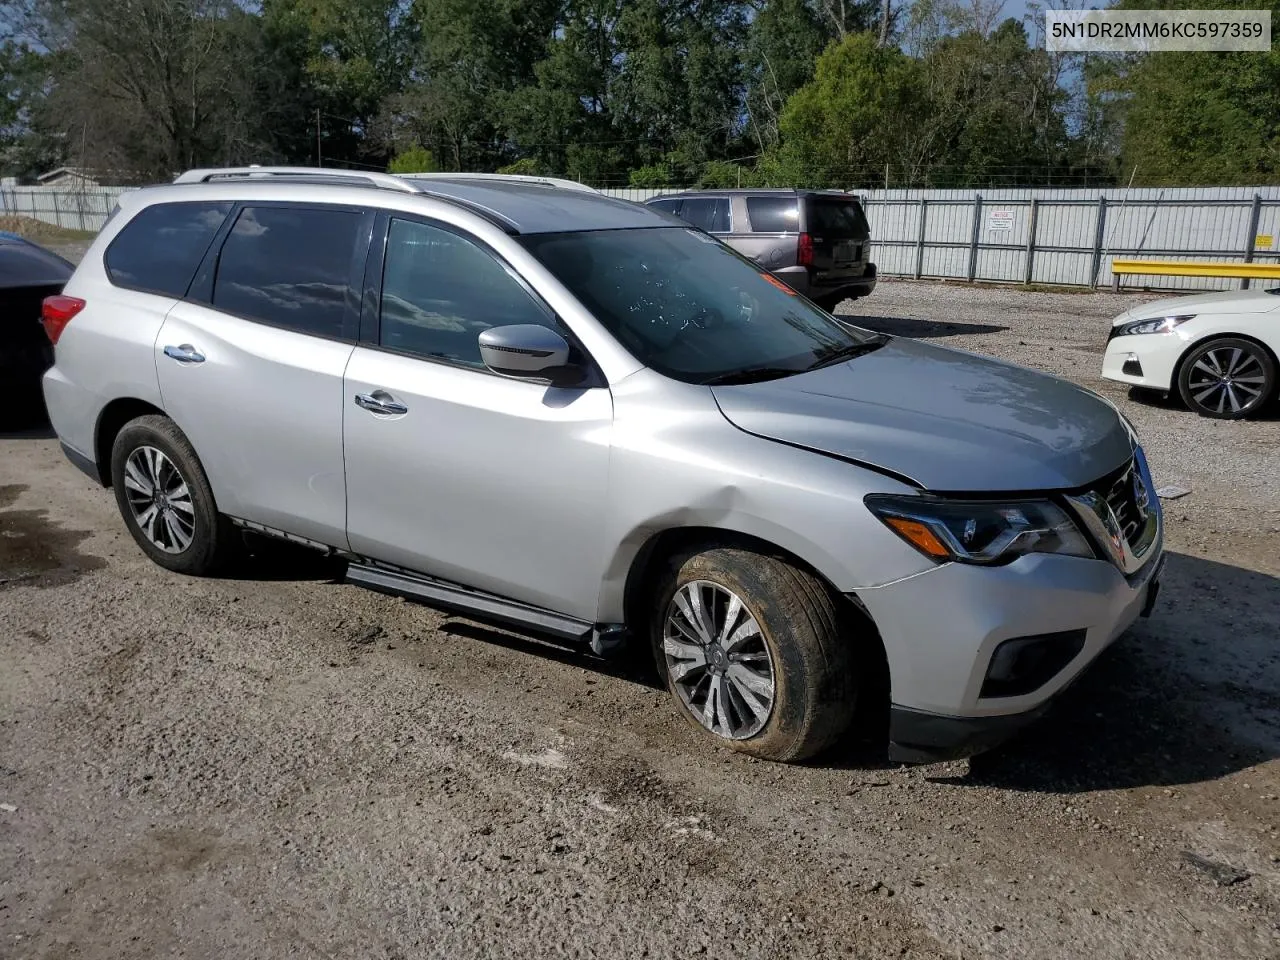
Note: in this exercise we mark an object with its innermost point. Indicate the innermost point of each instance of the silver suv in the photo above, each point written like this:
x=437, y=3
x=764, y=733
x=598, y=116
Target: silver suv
x=576, y=415
x=816, y=241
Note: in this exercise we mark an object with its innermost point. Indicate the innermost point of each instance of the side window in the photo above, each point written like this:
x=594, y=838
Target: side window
x=709, y=213
x=666, y=206
x=160, y=249
x=289, y=267
x=773, y=214
x=440, y=291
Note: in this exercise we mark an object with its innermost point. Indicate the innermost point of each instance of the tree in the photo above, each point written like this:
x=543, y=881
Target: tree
x=148, y=87
x=349, y=56
x=679, y=86
x=27, y=149
x=413, y=160
x=849, y=119
x=1196, y=118
x=783, y=43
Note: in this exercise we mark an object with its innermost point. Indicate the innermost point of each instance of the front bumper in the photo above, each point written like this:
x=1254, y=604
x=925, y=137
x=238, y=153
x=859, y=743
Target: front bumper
x=1143, y=360
x=940, y=629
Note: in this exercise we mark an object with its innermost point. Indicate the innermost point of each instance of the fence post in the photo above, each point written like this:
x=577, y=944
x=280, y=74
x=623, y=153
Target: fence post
x=57, y=213
x=1249, y=240
x=973, y=239
x=1031, y=239
x=924, y=209
x=1098, y=234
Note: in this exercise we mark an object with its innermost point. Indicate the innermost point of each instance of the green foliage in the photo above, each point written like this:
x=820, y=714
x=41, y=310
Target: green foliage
x=654, y=175
x=850, y=116
x=413, y=160
x=1196, y=118
x=527, y=167
x=652, y=93
x=724, y=175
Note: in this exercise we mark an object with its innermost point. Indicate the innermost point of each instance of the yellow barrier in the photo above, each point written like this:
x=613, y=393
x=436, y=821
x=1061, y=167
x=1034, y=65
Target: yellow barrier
x=1191, y=268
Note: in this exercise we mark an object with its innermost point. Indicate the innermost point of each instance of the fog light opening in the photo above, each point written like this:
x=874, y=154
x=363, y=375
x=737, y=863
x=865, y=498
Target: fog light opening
x=1132, y=366
x=1024, y=664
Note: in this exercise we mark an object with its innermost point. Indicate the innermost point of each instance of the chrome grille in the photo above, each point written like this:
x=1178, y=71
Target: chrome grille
x=1123, y=499
x=1122, y=514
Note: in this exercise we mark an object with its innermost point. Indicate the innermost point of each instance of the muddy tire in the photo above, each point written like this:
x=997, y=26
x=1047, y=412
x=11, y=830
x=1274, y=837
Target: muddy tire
x=755, y=651
x=166, y=501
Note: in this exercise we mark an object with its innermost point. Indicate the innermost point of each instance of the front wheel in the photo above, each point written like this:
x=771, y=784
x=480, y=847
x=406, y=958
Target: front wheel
x=751, y=648
x=1227, y=378
x=165, y=498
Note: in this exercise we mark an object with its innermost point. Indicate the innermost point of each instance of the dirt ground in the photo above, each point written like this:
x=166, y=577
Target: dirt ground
x=280, y=765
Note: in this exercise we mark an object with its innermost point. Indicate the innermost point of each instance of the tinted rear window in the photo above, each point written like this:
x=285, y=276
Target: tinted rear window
x=838, y=218
x=159, y=249
x=289, y=267
x=707, y=213
x=773, y=214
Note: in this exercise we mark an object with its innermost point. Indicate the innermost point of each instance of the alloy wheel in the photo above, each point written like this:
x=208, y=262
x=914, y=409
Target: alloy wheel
x=718, y=661
x=159, y=499
x=1227, y=379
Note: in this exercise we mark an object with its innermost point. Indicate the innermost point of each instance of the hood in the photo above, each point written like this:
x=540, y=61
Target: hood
x=950, y=421
x=1237, y=301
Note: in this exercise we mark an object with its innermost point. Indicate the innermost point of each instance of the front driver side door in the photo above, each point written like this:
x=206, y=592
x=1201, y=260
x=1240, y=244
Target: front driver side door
x=455, y=471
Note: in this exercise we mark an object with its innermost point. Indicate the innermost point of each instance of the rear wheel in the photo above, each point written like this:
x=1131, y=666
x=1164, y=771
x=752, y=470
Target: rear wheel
x=1227, y=378
x=751, y=648
x=165, y=498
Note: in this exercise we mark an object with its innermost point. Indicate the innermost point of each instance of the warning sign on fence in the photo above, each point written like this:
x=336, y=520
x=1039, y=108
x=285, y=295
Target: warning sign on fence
x=1263, y=241
x=1000, y=220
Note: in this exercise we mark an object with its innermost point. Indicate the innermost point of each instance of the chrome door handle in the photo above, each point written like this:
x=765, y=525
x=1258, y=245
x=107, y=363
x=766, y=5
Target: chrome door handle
x=380, y=402
x=184, y=354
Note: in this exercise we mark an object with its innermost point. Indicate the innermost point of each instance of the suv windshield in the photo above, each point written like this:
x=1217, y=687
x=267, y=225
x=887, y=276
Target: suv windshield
x=687, y=306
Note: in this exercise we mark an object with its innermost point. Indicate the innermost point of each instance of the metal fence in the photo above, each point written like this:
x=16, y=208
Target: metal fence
x=1044, y=236
x=83, y=208
x=1065, y=237
x=1069, y=237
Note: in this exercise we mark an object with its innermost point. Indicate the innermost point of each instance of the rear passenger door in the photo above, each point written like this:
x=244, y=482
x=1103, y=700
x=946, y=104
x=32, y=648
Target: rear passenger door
x=251, y=362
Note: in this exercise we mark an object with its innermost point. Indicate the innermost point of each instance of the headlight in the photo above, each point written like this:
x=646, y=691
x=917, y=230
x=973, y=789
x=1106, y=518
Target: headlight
x=979, y=531
x=1152, y=325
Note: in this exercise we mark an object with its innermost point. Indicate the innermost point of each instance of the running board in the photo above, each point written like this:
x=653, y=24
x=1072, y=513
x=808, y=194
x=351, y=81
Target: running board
x=475, y=603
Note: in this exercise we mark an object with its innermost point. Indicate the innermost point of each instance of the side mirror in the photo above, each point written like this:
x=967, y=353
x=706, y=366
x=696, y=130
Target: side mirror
x=525, y=350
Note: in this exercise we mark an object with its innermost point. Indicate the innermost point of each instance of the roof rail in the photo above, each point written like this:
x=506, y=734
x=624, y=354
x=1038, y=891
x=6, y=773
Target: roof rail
x=318, y=174
x=504, y=177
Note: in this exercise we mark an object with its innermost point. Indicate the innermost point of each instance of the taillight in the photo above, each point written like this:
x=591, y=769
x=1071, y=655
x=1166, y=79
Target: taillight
x=56, y=313
x=804, y=253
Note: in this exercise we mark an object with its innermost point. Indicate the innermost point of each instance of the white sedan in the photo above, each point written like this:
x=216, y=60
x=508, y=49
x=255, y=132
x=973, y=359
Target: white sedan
x=1217, y=350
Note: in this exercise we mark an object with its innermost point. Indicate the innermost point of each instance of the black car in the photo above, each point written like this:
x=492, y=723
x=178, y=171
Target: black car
x=28, y=274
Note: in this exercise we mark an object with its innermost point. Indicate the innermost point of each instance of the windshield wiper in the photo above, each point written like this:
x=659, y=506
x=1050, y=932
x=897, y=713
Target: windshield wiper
x=750, y=375
x=840, y=354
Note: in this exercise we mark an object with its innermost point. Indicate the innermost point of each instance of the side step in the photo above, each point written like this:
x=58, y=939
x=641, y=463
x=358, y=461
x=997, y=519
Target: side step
x=475, y=603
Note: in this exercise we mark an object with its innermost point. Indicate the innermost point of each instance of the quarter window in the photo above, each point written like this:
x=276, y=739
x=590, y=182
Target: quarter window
x=289, y=267
x=159, y=250
x=773, y=214
x=440, y=291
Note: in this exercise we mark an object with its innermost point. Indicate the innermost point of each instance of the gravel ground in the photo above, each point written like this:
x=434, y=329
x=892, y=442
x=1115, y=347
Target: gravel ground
x=279, y=765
